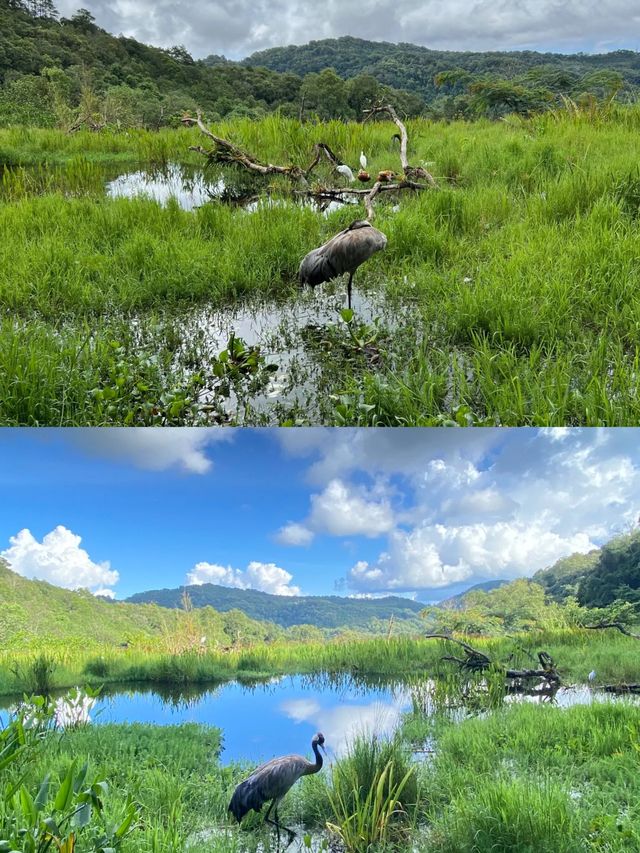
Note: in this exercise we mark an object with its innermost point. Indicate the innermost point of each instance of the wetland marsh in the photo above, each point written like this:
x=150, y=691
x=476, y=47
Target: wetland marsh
x=507, y=296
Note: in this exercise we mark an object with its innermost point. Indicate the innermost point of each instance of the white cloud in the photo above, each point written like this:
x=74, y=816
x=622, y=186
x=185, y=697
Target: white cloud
x=343, y=509
x=336, y=453
x=342, y=724
x=346, y=510
x=239, y=27
x=527, y=501
x=153, y=448
x=104, y=593
x=266, y=577
x=468, y=505
x=58, y=559
x=435, y=556
x=294, y=534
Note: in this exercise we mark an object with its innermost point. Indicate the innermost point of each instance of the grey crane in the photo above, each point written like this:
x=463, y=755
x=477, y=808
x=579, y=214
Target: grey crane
x=343, y=253
x=271, y=781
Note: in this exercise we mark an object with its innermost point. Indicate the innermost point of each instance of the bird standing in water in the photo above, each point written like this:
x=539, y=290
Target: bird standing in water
x=271, y=781
x=343, y=253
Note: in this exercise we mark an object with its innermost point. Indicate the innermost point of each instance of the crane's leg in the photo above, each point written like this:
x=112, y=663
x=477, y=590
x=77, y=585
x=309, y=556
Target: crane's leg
x=275, y=823
x=292, y=834
x=349, y=290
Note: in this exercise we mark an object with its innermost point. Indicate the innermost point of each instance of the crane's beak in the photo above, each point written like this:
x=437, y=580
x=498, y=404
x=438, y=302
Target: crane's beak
x=323, y=749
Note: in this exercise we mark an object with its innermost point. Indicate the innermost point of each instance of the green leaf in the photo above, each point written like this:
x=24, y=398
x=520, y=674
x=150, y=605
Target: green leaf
x=28, y=806
x=126, y=823
x=43, y=793
x=83, y=815
x=347, y=315
x=52, y=826
x=64, y=795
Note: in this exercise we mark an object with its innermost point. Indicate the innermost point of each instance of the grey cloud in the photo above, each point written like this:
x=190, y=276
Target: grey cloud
x=237, y=29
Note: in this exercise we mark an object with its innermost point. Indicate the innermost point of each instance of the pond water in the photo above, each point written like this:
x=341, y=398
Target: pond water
x=281, y=715
x=191, y=188
x=302, y=336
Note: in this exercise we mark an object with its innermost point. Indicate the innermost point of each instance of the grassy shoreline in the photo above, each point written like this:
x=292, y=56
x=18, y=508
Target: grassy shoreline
x=576, y=652
x=529, y=778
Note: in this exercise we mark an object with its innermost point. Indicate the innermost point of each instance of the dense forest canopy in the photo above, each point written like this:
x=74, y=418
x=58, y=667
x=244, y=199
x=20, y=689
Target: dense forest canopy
x=425, y=72
x=69, y=73
x=598, y=578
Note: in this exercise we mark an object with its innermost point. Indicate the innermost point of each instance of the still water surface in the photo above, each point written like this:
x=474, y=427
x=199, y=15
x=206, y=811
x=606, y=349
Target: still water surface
x=281, y=715
x=259, y=721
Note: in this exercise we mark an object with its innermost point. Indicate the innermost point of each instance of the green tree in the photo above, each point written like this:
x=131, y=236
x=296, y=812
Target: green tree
x=325, y=94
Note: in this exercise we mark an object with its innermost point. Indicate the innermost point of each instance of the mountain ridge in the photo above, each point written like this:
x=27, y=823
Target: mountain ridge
x=414, y=67
x=323, y=611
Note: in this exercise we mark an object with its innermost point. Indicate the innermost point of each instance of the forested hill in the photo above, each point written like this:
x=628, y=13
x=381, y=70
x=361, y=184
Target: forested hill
x=56, y=71
x=599, y=577
x=69, y=73
x=416, y=69
x=457, y=602
x=321, y=611
x=33, y=612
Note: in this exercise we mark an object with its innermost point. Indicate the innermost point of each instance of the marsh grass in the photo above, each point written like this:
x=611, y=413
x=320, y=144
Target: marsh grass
x=373, y=794
x=527, y=777
x=521, y=271
x=576, y=652
x=537, y=778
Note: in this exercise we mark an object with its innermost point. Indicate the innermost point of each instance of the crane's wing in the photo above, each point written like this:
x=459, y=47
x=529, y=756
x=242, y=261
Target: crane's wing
x=342, y=253
x=269, y=781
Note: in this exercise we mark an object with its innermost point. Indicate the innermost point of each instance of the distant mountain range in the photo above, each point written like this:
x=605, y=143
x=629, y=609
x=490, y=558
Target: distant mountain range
x=329, y=611
x=413, y=68
x=33, y=612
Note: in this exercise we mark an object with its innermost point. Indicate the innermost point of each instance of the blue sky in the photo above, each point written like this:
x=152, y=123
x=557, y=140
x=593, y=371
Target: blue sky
x=366, y=512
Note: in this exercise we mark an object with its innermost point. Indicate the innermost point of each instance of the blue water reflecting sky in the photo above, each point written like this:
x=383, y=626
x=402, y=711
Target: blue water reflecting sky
x=271, y=719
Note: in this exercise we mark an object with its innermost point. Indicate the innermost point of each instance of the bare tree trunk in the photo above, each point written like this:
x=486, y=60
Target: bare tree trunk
x=410, y=172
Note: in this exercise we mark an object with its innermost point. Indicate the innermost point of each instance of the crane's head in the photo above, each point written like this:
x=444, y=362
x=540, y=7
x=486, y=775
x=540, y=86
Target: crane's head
x=318, y=740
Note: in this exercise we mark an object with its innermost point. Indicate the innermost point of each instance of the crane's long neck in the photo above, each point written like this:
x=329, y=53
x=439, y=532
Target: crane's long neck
x=313, y=768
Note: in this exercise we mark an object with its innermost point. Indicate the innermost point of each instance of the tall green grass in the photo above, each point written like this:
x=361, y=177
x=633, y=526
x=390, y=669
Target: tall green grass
x=402, y=659
x=514, y=285
x=528, y=777
x=537, y=778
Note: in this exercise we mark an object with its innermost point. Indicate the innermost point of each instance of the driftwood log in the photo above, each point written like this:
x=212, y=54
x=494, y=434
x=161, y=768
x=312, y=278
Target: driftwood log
x=227, y=152
x=476, y=661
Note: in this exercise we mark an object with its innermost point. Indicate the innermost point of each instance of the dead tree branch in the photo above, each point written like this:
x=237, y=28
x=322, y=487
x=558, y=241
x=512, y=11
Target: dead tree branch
x=475, y=661
x=410, y=172
x=321, y=148
x=621, y=688
x=226, y=152
x=617, y=625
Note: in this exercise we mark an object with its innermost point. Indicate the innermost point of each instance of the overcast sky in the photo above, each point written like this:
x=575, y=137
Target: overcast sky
x=237, y=28
x=363, y=512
